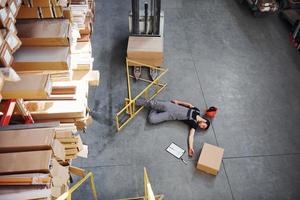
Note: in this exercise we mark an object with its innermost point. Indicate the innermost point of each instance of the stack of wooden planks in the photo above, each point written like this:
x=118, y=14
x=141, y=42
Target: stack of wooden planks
x=34, y=162
x=54, y=70
x=54, y=63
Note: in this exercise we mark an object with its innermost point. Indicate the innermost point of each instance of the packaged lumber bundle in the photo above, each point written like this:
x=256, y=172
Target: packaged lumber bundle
x=82, y=12
x=93, y=77
x=40, y=12
x=56, y=109
x=44, y=32
x=63, y=142
x=56, y=70
x=37, y=165
x=21, y=193
x=82, y=56
x=79, y=9
x=25, y=162
x=36, y=86
x=41, y=58
x=30, y=158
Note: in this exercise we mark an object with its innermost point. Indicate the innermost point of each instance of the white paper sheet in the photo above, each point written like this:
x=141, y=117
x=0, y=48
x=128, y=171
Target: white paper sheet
x=175, y=150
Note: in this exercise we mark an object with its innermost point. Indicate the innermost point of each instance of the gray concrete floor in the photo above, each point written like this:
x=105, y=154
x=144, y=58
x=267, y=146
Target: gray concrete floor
x=217, y=54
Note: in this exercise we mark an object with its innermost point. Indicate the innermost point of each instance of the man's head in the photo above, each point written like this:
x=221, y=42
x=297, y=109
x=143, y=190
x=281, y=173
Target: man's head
x=204, y=125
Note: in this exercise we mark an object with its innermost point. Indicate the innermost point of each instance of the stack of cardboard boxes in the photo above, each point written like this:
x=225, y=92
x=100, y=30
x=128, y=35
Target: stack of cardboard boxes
x=50, y=51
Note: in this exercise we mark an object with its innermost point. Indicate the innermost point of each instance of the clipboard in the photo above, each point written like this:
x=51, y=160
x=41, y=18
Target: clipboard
x=176, y=151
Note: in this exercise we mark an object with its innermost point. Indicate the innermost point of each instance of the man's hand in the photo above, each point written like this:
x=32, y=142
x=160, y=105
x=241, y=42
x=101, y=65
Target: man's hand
x=174, y=101
x=191, y=152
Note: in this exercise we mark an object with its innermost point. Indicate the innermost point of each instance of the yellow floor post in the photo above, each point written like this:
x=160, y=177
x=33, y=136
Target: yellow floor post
x=68, y=195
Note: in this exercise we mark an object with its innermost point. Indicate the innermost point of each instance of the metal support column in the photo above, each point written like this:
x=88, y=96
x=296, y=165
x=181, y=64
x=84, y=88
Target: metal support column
x=135, y=17
x=146, y=18
x=156, y=21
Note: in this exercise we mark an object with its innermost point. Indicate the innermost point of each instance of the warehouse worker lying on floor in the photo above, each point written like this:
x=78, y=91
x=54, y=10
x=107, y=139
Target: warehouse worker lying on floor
x=161, y=111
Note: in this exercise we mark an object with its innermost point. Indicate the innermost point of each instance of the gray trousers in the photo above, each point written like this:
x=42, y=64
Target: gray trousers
x=161, y=111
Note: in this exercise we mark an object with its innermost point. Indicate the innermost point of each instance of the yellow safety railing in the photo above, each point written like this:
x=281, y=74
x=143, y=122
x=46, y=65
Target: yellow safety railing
x=68, y=195
x=148, y=192
x=130, y=110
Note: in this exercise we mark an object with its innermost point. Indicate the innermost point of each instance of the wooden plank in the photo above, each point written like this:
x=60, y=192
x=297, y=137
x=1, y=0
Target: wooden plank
x=28, y=192
x=25, y=162
x=28, y=13
x=52, y=32
x=41, y=3
x=70, y=146
x=58, y=150
x=57, y=109
x=71, y=151
x=25, y=179
x=63, y=134
x=77, y=171
x=82, y=47
x=71, y=157
x=1, y=82
x=65, y=87
x=93, y=77
x=30, y=126
x=35, y=86
x=41, y=58
x=26, y=140
x=68, y=140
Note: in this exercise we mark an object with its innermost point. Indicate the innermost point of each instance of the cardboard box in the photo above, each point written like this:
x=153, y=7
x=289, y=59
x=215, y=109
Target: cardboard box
x=148, y=50
x=210, y=159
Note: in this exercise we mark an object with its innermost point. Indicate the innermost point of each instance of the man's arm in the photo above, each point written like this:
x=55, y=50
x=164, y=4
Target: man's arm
x=191, y=141
x=182, y=103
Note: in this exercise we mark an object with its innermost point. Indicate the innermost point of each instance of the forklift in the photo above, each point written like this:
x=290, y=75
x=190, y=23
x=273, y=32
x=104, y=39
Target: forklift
x=290, y=11
x=145, y=53
x=258, y=7
x=146, y=19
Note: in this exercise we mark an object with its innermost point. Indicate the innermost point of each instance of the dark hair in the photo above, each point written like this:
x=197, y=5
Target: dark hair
x=207, y=122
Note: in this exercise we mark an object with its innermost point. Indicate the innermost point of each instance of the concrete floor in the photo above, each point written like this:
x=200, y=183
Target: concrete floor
x=217, y=54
